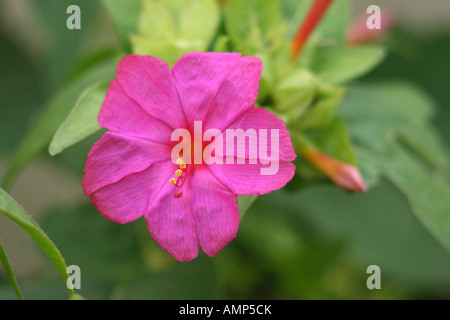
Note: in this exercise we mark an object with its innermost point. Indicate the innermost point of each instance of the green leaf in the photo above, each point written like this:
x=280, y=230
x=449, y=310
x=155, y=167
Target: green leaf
x=196, y=20
x=340, y=64
x=240, y=15
x=55, y=112
x=334, y=25
x=124, y=14
x=170, y=28
x=376, y=126
x=294, y=11
x=333, y=140
x=255, y=25
x=376, y=227
x=322, y=112
x=296, y=91
x=417, y=109
x=12, y=210
x=9, y=272
x=222, y=44
x=82, y=120
x=244, y=203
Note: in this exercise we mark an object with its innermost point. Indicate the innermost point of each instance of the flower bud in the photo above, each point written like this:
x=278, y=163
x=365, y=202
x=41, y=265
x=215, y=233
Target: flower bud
x=344, y=175
x=358, y=33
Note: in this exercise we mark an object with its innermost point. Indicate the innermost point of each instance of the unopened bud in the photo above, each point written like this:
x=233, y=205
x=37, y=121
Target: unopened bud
x=343, y=174
x=359, y=33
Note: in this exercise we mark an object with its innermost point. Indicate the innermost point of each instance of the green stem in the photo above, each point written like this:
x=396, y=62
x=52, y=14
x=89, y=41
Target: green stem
x=9, y=272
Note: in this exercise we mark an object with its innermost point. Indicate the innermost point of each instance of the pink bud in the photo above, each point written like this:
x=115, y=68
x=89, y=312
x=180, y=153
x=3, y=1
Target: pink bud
x=349, y=178
x=359, y=33
x=344, y=175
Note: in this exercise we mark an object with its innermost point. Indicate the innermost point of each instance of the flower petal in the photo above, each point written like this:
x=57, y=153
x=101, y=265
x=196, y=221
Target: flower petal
x=149, y=82
x=115, y=156
x=216, y=211
x=246, y=179
x=128, y=199
x=170, y=220
x=268, y=171
x=120, y=113
x=258, y=119
x=216, y=87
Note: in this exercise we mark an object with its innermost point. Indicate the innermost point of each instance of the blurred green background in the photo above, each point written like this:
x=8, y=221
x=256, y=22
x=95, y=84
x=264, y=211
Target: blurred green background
x=312, y=244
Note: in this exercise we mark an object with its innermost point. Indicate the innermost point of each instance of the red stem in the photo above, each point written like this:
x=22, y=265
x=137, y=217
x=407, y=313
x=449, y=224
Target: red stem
x=315, y=13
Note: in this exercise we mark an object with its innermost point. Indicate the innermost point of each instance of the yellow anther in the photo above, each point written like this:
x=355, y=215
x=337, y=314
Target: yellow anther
x=173, y=181
x=178, y=173
x=181, y=163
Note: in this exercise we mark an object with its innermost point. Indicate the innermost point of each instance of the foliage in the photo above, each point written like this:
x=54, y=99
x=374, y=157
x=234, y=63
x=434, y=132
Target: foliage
x=384, y=127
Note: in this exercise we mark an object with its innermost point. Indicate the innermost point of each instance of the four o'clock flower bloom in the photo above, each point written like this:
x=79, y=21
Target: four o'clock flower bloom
x=130, y=172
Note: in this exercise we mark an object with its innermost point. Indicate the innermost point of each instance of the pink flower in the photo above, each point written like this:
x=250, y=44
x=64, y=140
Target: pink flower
x=129, y=170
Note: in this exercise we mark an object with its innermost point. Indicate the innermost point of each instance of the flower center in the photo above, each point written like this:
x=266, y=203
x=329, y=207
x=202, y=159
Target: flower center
x=181, y=175
x=192, y=152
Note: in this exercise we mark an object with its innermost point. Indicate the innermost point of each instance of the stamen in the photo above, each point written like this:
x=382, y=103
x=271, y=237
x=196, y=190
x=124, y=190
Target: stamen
x=181, y=163
x=180, y=181
x=182, y=176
